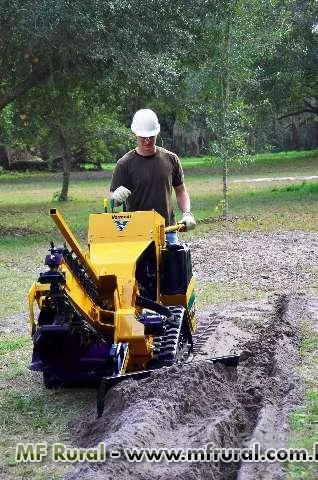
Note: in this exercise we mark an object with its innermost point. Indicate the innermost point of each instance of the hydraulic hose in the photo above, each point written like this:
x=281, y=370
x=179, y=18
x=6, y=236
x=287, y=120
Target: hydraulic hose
x=152, y=305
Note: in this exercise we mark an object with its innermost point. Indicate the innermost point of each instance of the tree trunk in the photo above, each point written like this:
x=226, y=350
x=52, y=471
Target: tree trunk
x=66, y=166
x=226, y=107
x=295, y=136
x=188, y=140
x=4, y=157
x=225, y=189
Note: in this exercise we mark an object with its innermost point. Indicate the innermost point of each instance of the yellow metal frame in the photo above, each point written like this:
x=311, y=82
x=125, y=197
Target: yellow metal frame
x=115, y=242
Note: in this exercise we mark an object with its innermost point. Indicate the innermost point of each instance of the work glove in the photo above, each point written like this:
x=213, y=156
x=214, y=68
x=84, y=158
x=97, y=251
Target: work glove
x=120, y=195
x=188, y=220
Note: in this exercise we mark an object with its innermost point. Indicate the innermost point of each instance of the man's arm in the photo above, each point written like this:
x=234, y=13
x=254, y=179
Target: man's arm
x=183, y=199
x=184, y=204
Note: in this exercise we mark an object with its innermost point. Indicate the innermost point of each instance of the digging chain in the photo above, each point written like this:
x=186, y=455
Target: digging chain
x=81, y=276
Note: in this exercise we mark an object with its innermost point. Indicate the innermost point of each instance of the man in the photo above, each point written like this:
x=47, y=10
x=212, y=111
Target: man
x=144, y=177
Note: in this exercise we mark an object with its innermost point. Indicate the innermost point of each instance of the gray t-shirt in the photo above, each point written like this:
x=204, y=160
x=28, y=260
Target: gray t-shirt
x=150, y=179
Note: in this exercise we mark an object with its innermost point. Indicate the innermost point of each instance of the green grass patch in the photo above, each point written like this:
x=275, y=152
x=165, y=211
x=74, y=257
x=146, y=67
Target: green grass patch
x=259, y=161
x=30, y=413
x=197, y=162
x=12, y=342
x=258, y=206
x=21, y=261
x=304, y=421
x=38, y=409
x=221, y=293
x=309, y=344
x=303, y=187
x=7, y=175
x=13, y=369
x=278, y=157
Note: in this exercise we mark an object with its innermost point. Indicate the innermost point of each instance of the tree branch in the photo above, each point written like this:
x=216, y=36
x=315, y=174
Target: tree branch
x=314, y=109
x=35, y=79
x=297, y=112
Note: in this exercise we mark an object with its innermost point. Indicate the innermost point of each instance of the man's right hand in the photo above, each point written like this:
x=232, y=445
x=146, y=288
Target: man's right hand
x=188, y=220
x=120, y=195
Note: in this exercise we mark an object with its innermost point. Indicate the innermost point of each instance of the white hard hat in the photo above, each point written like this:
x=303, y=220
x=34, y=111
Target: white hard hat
x=145, y=123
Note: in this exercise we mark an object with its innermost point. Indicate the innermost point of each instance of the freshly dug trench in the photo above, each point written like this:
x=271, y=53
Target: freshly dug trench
x=269, y=372
x=195, y=404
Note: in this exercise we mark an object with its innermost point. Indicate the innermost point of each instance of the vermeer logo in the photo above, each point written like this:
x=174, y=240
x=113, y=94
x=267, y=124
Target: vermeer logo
x=121, y=224
x=122, y=216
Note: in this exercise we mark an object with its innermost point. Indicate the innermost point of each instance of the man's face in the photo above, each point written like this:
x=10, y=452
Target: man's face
x=146, y=145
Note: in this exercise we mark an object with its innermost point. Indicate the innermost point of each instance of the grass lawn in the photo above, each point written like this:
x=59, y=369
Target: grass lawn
x=27, y=410
x=29, y=413
x=258, y=162
x=304, y=421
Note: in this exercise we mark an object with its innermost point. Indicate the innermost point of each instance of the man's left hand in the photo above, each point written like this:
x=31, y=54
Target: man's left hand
x=188, y=220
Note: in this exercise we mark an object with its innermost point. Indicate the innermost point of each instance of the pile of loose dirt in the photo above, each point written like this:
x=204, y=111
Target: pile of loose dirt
x=199, y=403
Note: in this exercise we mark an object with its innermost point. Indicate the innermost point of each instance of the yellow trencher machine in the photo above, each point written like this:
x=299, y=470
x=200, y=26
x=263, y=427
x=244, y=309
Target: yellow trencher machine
x=124, y=307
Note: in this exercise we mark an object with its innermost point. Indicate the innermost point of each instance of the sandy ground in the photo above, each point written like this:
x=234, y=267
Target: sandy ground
x=273, y=262
x=197, y=404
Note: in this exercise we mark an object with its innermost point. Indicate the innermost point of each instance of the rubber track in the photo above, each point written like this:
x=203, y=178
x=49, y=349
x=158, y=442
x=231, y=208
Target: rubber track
x=166, y=346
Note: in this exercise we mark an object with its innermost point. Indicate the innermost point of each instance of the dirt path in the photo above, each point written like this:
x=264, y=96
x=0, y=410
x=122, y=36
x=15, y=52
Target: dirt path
x=197, y=404
x=272, y=262
x=276, y=179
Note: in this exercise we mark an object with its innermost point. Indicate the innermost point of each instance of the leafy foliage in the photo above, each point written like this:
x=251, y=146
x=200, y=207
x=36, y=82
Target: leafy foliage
x=286, y=77
x=120, y=39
